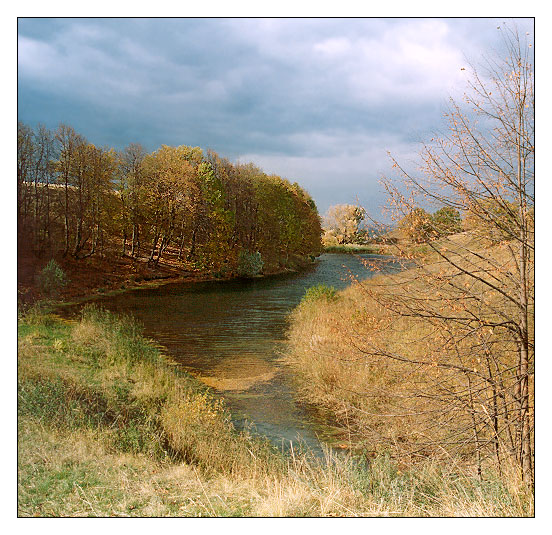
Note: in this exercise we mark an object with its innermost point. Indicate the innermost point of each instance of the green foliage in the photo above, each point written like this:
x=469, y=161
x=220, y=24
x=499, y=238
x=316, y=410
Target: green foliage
x=351, y=248
x=320, y=291
x=250, y=264
x=51, y=279
x=447, y=221
x=122, y=341
x=218, y=220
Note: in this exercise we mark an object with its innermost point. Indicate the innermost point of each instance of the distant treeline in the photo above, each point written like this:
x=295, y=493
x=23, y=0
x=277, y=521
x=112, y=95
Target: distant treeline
x=77, y=199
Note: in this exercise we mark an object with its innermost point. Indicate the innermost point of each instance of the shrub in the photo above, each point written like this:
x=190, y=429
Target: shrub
x=320, y=291
x=447, y=221
x=417, y=225
x=249, y=264
x=51, y=279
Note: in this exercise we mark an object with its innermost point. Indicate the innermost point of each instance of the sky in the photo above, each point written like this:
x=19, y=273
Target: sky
x=320, y=101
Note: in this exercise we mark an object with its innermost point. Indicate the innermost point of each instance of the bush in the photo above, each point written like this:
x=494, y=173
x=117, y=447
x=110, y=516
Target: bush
x=417, y=225
x=320, y=291
x=51, y=279
x=250, y=264
x=447, y=221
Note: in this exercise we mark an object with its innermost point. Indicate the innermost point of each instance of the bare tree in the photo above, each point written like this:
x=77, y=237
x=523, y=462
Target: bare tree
x=25, y=157
x=68, y=142
x=437, y=360
x=478, y=293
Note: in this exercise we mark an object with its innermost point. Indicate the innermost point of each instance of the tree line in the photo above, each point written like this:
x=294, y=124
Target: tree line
x=491, y=218
x=76, y=199
x=343, y=224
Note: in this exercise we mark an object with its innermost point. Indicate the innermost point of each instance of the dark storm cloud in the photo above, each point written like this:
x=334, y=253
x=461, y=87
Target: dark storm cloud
x=317, y=100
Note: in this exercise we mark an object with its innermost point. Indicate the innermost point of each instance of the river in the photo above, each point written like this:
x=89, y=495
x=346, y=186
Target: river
x=230, y=334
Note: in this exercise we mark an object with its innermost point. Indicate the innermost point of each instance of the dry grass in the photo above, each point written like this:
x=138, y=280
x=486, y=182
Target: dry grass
x=340, y=348
x=375, y=358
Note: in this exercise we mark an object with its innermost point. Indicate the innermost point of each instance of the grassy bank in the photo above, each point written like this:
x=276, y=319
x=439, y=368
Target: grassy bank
x=374, y=359
x=100, y=395
x=107, y=426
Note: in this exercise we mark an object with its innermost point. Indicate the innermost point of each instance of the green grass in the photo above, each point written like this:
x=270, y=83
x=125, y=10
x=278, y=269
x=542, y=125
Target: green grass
x=320, y=291
x=100, y=378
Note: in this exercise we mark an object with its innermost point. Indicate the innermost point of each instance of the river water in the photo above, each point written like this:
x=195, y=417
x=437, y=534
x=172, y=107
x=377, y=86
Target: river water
x=230, y=335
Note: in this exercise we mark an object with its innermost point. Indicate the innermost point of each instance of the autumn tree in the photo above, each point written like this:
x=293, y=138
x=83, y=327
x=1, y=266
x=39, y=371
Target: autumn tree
x=342, y=223
x=44, y=178
x=35, y=153
x=420, y=226
x=38, y=203
x=76, y=198
x=131, y=192
x=214, y=219
x=92, y=173
x=25, y=155
x=310, y=225
x=417, y=225
x=170, y=181
x=68, y=144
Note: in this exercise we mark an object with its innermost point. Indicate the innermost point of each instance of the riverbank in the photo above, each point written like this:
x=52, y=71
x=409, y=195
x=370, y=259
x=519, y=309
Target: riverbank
x=391, y=359
x=399, y=249
x=108, y=426
x=96, y=385
x=96, y=277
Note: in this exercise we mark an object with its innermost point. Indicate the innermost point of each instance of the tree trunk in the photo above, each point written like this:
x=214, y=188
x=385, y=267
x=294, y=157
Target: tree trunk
x=525, y=424
x=66, y=249
x=153, y=248
x=133, y=250
x=192, y=248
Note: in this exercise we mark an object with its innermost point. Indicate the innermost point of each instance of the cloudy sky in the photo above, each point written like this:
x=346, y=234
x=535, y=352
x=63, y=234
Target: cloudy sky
x=318, y=101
